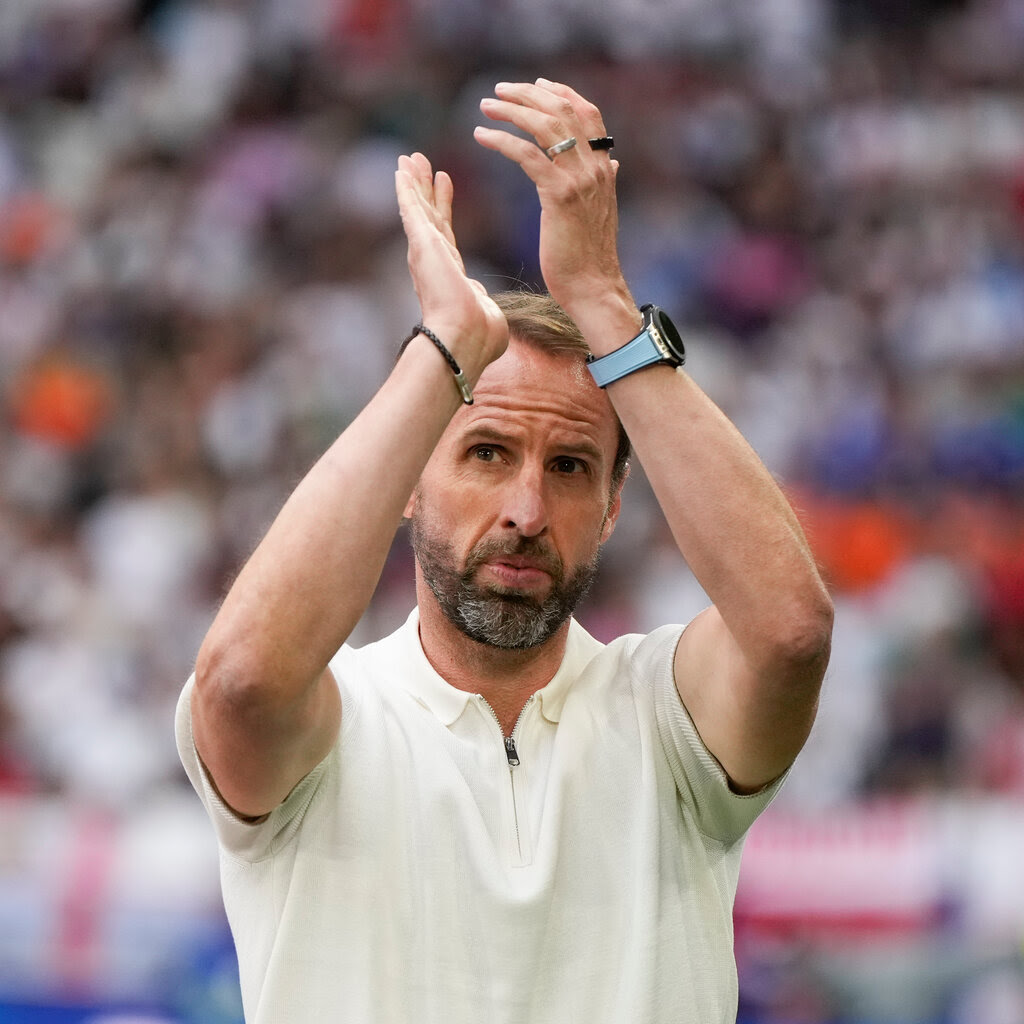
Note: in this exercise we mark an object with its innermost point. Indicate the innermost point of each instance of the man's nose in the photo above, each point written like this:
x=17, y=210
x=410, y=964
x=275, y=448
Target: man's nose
x=524, y=507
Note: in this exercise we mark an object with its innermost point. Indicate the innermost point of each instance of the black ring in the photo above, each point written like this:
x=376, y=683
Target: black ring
x=605, y=142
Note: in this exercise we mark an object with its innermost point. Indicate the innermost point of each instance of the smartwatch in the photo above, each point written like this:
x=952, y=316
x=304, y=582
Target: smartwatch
x=657, y=344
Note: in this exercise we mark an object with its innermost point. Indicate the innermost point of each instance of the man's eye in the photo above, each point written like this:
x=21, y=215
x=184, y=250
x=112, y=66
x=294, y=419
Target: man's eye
x=569, y=465
x=484, y=453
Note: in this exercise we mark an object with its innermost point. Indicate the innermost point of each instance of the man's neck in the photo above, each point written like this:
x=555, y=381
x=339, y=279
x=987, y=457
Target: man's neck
x=505, y=678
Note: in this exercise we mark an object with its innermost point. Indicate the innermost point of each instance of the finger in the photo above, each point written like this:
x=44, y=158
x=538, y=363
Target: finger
x=521, y=151
x=409, y=186
x=420, y=219
x=405, y=187
x=412, y=192
x=569, y=115
x=548, y=118
x=426, y=221
x=546, y=127
x=546, y=132
x=444, y=193
x=581, y=104
x=410, y=204
x=587, y=112
x=423, y=176
x=434, y=202
x=532, y=94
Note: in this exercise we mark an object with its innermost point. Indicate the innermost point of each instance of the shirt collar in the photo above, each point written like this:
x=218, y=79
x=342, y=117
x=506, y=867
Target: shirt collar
x=425, y=685
x=447, y=702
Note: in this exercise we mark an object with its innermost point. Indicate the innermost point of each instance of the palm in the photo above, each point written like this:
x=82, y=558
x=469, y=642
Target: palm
x=450, y=301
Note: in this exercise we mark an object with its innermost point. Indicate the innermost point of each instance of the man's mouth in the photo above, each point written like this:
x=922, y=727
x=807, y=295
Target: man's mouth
x=517, y=571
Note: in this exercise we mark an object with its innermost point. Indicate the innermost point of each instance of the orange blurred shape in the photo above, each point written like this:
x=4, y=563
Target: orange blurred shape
x=857, y=543
x=27, y=223
x=62, y=402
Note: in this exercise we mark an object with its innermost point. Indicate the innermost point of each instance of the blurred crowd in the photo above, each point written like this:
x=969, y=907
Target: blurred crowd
x=202, y=279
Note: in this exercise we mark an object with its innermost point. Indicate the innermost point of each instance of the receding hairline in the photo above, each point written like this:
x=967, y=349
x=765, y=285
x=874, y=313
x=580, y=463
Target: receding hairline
x=536, y=319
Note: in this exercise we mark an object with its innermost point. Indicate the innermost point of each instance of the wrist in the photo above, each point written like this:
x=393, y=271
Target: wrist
x=463, y=355
x=461, y=383
x=658, y=343
x=607, y=323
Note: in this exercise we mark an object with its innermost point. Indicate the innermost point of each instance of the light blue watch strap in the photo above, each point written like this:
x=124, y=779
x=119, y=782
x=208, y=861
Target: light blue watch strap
x=633, y=356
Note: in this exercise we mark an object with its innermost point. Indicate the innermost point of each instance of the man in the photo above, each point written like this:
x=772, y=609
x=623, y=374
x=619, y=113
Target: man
x=489, y=815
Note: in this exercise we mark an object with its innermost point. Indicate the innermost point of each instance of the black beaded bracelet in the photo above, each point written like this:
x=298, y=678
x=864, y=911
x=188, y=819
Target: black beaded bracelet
x=460, y=377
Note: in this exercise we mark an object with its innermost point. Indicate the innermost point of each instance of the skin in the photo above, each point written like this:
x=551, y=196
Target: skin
x=531, y=458
x=749, y=669
x=266, y=709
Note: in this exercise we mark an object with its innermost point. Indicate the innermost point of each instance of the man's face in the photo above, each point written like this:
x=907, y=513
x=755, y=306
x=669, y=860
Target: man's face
x=510, y=512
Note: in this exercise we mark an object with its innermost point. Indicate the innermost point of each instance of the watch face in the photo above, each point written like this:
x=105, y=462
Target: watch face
x=669, y=333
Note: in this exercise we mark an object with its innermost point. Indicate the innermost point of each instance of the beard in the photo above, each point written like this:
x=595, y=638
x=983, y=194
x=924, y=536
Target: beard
x=494, y=615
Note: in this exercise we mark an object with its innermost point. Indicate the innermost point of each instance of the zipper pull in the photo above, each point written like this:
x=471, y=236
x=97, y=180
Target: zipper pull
x=510, y=752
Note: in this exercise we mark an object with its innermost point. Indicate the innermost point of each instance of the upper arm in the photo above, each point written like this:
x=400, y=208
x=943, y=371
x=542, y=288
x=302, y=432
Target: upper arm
x=754, y=717
x=255, y=750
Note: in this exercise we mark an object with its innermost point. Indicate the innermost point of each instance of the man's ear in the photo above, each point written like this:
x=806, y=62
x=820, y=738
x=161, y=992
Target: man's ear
x=410, y=505
x=611, y=517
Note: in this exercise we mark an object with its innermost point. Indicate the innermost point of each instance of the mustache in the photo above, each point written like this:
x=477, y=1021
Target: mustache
x=538, y=551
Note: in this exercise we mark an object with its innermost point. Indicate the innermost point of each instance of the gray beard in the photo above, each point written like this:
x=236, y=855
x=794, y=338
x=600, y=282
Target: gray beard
x=499, y=616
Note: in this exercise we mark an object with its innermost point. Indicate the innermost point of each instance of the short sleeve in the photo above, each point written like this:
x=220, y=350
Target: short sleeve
x=249, y=841
x=720, y=812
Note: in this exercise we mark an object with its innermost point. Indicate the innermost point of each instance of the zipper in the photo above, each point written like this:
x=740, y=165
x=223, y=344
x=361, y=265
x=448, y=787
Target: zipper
x=511, y=753
x=512, y=756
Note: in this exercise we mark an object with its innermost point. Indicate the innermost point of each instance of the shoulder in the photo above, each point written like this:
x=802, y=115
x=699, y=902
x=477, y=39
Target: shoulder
x=608, y=674
x=640, y=656
x=365, y=672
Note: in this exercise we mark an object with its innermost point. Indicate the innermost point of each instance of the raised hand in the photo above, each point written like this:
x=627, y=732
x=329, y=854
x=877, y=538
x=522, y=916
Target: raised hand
x=576, y=186
x=454, y=306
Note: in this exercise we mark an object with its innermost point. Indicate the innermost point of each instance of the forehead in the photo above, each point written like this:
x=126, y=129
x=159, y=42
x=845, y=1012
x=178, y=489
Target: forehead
x=529, y=389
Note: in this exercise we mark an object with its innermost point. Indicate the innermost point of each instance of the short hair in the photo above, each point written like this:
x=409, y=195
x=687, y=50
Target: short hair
x=535, y=317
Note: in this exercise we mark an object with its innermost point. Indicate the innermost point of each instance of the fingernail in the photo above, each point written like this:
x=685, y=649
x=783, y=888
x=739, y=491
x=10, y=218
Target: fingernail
x=544, y=81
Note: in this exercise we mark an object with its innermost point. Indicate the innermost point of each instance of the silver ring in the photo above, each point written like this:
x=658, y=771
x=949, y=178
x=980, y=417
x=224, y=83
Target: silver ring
x=560, y=147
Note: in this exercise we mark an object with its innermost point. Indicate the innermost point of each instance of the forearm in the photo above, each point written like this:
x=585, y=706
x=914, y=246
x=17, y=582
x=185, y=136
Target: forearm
x=749, y=668
x=731, y=521
x=266, y=709
x=311, y=578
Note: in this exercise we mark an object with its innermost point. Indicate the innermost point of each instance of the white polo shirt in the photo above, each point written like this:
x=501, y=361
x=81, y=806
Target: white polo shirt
x=417, y=876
